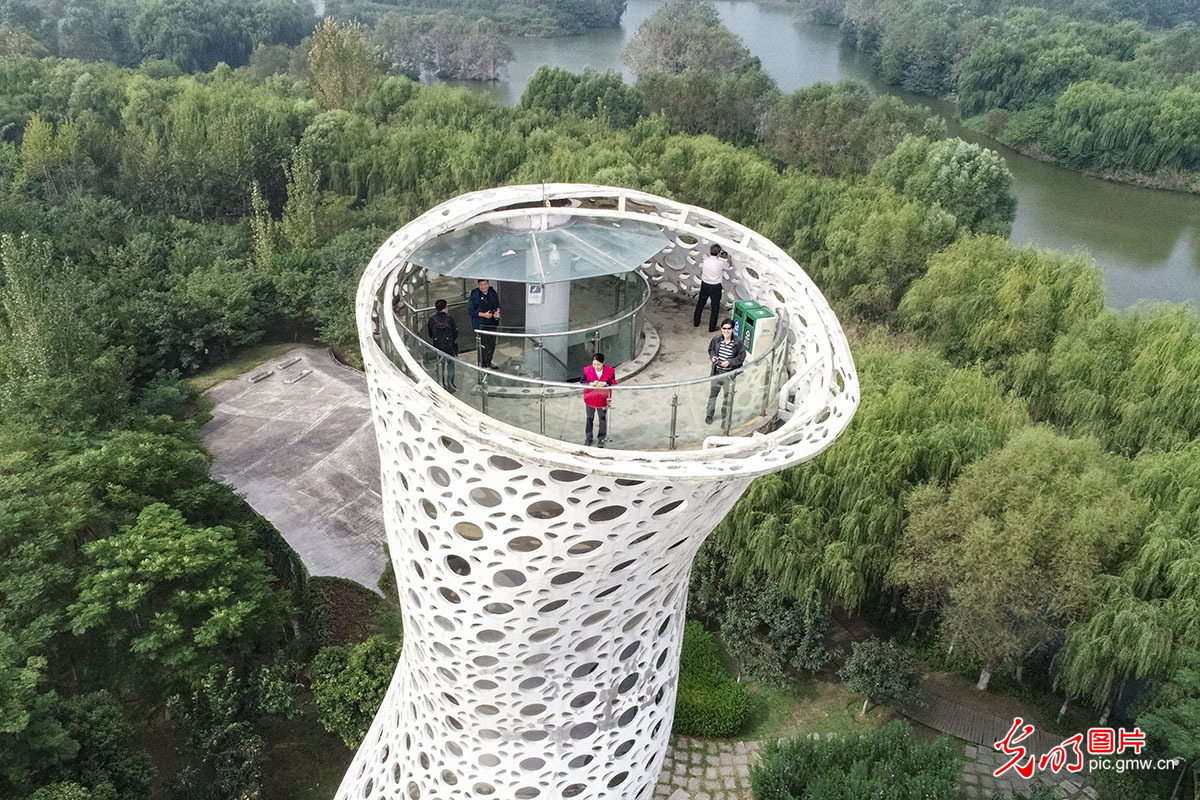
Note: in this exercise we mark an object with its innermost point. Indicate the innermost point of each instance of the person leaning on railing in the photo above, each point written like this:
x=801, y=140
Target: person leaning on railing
x=727, y=353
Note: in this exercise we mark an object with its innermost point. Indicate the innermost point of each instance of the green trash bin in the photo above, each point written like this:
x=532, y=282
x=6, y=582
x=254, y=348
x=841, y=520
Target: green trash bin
x=739, y=316
x=754, y=325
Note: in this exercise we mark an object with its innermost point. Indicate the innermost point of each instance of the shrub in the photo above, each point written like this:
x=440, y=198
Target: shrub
x=709, y=703
x=887, y=762
x=348, y=685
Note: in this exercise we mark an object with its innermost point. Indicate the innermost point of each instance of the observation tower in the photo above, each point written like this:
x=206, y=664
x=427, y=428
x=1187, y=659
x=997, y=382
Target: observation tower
x=543, y=582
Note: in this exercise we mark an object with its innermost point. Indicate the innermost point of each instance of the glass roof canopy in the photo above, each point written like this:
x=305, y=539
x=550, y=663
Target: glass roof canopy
x=548, y=253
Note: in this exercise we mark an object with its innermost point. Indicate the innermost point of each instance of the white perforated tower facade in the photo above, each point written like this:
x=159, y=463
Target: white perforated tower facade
x=543, y=584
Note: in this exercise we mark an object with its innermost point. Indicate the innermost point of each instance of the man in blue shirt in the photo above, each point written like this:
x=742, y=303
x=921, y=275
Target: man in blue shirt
x=483, y=306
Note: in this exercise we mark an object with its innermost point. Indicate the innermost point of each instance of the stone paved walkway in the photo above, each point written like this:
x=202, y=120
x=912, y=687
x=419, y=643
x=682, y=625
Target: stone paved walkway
x=699, y=769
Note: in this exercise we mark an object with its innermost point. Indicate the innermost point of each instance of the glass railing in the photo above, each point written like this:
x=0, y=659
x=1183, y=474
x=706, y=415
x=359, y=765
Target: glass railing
x=665, y=416
x=607, y=316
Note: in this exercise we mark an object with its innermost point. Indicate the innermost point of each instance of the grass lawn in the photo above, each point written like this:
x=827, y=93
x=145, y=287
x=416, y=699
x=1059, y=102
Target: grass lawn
x=243, y=362
x=810, y=705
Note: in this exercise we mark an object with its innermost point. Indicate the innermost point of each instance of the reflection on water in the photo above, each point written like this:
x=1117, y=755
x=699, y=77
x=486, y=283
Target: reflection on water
x=1146, y=241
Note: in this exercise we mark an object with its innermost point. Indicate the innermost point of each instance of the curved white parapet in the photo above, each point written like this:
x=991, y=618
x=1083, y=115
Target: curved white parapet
x=543, y=584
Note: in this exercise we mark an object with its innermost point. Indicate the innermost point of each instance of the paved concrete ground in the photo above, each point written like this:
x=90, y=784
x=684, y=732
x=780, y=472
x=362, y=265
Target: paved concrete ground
x=303, y=454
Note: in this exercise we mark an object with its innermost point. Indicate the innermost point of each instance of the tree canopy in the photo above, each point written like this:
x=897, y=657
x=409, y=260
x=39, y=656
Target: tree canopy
x=1014, y=548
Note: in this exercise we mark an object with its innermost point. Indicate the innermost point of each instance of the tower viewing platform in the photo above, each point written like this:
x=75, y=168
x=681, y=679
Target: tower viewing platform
x=543, y=581
x=638, y=313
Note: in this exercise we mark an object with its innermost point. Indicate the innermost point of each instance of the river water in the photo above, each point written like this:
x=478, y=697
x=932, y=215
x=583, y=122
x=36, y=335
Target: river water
x=1147, y=242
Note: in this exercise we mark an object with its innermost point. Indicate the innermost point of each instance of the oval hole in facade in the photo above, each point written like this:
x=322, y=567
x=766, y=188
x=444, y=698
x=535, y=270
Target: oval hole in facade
x=509, y=578
x=667, y=508
x=606, y=513
x=563, y=578
x=504, y=463
x=524, y=544
x=544, y=509
x=469, y=531
x=583, y=730
x=483, y=496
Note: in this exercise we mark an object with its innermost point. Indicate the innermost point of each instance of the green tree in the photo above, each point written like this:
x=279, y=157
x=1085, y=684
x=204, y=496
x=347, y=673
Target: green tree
x=590, y=94
x=1143, y=619
x=685, y=34
x=341, y=64
x=176, y=597
x=299, y=222
x=31, y=736
x=839, y=129
x=46, y=338
x=1174, y=719
x=875, y=249
x=107, y=764
x=984, y=301
x=770, y=634
x=708, y=703
x=971, y=182
x=883, y=673
x=1015, y=547
x=731, y=106
x=919, y=46
x=53, y=162
x=1124, y=378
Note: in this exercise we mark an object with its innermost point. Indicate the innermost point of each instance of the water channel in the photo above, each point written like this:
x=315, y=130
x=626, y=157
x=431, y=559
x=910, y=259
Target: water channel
x=1147, y=242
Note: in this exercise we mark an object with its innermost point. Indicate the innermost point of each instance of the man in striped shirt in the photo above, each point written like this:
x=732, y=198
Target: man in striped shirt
x=727, y=354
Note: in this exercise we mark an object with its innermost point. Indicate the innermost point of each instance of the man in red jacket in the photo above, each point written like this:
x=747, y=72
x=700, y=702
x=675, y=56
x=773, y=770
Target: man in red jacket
x=597, y=375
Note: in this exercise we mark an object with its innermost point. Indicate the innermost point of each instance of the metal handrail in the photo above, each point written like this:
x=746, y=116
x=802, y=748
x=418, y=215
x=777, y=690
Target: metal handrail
x=535, y=383
x=521, y=335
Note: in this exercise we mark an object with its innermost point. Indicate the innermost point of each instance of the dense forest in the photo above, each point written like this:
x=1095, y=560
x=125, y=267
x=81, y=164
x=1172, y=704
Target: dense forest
x=1110, y=87
x=1019, y=480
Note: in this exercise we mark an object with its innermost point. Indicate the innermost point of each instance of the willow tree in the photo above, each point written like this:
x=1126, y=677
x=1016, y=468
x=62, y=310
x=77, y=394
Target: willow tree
x=827, y=530
x=984, y=301
x=1173, y=719
x=1130, y=380
x=1144, y=614
x=875, y=249
x=1017, y=543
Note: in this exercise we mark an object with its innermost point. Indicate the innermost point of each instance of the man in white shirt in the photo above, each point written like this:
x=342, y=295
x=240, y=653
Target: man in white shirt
x=712, y=272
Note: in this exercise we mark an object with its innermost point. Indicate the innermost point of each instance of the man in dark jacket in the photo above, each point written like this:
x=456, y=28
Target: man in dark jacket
x=443, y=333
x=484, y=308
x=727, y=353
